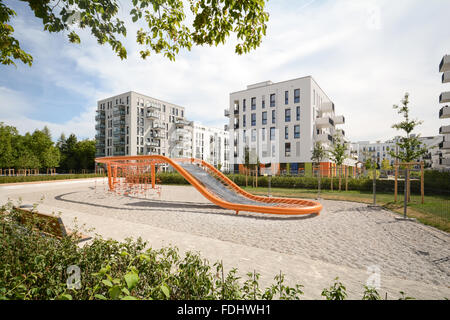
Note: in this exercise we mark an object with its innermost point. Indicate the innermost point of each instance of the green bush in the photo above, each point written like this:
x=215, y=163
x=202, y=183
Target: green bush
x=14, y=179
x=35, y=267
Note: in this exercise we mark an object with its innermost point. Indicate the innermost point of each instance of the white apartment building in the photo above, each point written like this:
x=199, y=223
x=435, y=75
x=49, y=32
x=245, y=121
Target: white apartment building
x=280, y=122
x=212, y=145
x=135, y=124
x=444, y=113
x=380, y=151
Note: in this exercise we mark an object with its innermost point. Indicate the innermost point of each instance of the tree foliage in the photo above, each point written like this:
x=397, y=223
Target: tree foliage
x=167, y=27
x=410, y=147
x=38, y=151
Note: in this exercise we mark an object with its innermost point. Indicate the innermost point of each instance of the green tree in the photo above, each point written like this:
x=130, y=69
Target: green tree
x=7, y=138
x=410, y=148
x=337, y=155
x=318, y=154
x=85, y=154
x=168, y=29
x=385, y=165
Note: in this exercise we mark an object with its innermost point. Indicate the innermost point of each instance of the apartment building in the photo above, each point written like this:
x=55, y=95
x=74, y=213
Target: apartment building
x=380, y=151
x=135, y=124
x=444, y=113
x=212, y=145
x=278, y=124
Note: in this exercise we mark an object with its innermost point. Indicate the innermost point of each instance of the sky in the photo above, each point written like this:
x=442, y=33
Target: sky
x=364, y=54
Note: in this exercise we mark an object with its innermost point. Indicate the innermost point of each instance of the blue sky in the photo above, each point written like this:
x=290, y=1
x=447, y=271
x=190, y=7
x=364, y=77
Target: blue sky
x=364, y=54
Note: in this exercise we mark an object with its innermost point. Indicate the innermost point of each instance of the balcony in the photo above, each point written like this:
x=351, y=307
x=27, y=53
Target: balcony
x=118, y=133
x=152, y=143
x=236, y=126
x=444, y=130
x=100, y=145
x=100, y=154
x=156, y=136
x=444, y=66
x=226, y=113
x=100, y=116
x=153, y=115
x=446, y=77
x=324, y=122
x=324, y=138
x=444, y=145
x=236, y=112
x=158, y=126
x=120, y=142
x=444, y=162
x=340, y=132
x=444, y=97
x=226, y=127
x=153, y=107
x=117, y=123
x=444, y=112
x=99, y=126
x=100, y=136
x=327, y=107
x=118, y=113
x=339, y=119
x=182, y=123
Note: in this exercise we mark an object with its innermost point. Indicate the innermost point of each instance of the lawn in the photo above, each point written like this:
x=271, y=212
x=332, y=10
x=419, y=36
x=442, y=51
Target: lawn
x=434, y=212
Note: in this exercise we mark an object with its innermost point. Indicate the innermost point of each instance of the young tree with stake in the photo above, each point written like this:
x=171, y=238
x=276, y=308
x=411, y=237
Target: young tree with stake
x=318, y=154
x=409, y=146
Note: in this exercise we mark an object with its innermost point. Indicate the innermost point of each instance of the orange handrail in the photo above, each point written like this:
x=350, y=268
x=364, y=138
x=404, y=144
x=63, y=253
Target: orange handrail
x=285, y=206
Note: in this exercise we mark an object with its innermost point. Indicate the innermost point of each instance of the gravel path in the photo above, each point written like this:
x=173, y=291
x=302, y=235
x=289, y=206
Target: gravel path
x=345, y=233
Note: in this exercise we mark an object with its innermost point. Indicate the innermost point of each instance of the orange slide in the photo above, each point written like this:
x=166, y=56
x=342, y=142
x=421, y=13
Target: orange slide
x=213, y=185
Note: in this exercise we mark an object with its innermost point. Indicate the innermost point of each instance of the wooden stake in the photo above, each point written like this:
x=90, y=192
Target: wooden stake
x=422, y=187
x=396, y=183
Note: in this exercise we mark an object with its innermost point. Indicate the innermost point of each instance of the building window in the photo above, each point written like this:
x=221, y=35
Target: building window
x=287, y=115
x=253, y=119
x=287, y=149
x=264, y=117
x=243, y=105
x=272, y=100
x=263, y=102
x=296, y=95
x=297, y=132
x=253, y=135
x=263, y=134
x=286, y=132
x=297, y=117
x=128, y=109
x=272, y=133
x=273, y=116
x=286, y=97
x=244, y=121
x=253, y=103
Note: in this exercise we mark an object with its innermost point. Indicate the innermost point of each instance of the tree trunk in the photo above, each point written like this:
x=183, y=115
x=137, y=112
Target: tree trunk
x=320, y=177
x=332, y=177
x=340, y=176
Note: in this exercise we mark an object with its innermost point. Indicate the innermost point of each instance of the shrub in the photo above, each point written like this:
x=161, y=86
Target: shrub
x=15, y=179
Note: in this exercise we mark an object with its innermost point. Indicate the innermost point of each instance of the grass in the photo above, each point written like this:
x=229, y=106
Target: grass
x=434, y=212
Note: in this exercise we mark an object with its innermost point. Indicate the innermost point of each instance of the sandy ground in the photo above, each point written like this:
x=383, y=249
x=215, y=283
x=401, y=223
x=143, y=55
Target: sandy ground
x=345, y=240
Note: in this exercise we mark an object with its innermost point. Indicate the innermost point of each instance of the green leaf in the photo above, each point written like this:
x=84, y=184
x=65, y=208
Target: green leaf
x=107, y=283
x=129, y=298
x=131, y=278
x=165, y=290
x=100, y=296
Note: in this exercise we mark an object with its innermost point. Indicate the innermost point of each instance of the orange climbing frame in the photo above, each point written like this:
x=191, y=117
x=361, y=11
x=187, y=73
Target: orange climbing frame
x=281, y=206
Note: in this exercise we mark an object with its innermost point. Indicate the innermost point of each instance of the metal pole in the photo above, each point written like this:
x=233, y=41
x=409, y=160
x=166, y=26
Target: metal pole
x=375, y=185
x=405, y=202
x=270, y=178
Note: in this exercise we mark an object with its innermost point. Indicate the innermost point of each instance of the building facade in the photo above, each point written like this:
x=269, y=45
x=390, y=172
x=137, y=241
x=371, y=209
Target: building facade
x=135, y=124
x=444, y=113
x=277, y=124
x=212, y=145
x=381, y=151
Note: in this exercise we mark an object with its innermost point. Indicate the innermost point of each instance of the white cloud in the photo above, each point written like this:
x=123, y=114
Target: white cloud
x=364, y=54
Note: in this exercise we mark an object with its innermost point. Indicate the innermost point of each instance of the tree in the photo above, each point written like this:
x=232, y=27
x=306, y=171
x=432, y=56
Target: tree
x=337, y=155
x=85, y=154
x=317, y=157
x=409, y=146
x=7, y=138
x=167, y=27
x=385, y=165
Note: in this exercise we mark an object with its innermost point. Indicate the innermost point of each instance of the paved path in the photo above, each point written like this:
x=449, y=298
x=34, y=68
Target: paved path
x=343, y=241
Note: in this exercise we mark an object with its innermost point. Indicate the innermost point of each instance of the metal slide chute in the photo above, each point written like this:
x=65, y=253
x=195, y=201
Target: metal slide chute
x=215, y=186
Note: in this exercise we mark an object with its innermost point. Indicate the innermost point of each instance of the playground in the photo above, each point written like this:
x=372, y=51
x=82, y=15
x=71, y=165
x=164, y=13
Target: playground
x=343, y=241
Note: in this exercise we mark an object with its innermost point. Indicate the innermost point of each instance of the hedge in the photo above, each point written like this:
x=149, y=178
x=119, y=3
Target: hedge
x=15, y=179
x=435, y=182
